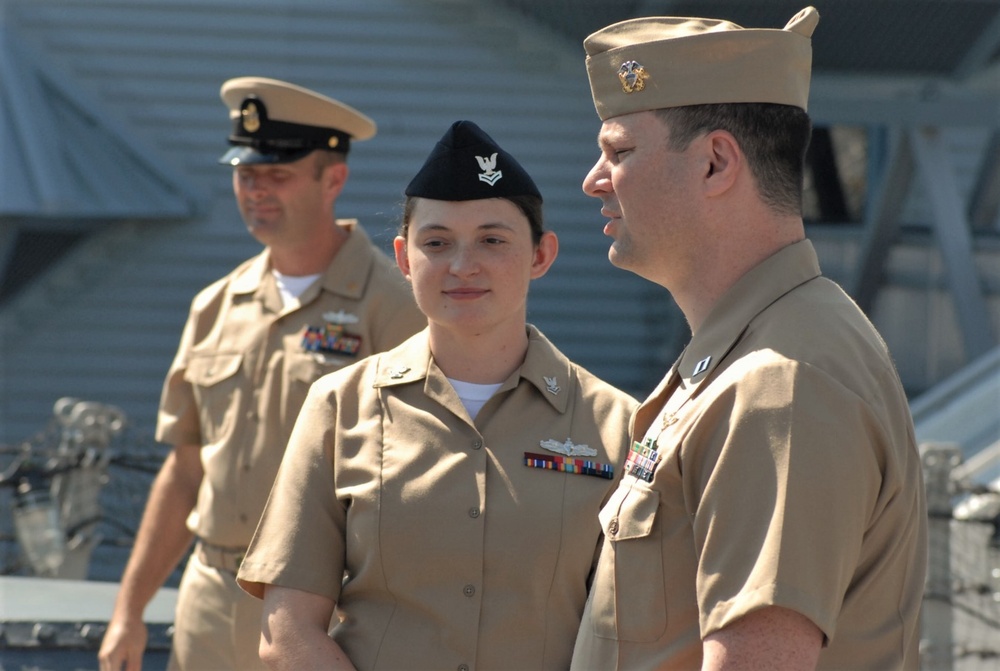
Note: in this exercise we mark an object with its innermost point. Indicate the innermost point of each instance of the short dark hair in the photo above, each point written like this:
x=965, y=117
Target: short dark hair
x=325, y=158
x=530, y=206
x=774, y=138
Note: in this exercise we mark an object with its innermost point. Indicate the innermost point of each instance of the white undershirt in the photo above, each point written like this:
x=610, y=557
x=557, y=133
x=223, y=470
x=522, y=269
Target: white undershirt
x=291, y=286
x=474, y=396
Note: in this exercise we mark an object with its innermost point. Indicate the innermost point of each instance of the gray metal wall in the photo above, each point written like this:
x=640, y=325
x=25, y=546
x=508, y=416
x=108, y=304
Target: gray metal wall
x=104, y=326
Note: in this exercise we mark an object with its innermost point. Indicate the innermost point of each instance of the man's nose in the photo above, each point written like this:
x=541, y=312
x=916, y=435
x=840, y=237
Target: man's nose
x=597, y=181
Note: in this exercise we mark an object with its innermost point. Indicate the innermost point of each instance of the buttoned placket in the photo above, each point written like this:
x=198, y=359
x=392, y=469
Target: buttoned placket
x=260, y=352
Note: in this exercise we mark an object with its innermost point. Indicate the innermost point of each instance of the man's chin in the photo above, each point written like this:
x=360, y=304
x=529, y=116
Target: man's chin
x=262, y=231
x=618, y=260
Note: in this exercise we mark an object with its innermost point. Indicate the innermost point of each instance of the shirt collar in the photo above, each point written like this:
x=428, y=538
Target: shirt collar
x=771, y=279
x=347, y=277
x=545, y=367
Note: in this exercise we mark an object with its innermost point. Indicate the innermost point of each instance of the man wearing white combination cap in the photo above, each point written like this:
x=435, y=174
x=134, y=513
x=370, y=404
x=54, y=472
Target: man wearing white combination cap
x=319, y=297
x=772, y=513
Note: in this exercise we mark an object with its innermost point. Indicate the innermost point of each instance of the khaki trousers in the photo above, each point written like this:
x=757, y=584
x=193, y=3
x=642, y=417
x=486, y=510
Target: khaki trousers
x=217, y=626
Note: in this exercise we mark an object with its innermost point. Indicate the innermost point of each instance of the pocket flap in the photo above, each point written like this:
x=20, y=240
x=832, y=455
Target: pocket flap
x=206, y=371
x=308, y=367
x=633, y=517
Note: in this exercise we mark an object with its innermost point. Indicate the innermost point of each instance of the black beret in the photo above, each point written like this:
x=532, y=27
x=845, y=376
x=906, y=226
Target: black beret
x=466, y=164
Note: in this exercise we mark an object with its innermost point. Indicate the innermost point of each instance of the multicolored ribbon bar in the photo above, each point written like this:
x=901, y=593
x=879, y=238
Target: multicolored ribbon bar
x=554, y=462
x=642, y=460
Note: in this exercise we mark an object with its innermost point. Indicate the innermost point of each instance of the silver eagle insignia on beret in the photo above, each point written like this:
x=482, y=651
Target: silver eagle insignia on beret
x=633, y=77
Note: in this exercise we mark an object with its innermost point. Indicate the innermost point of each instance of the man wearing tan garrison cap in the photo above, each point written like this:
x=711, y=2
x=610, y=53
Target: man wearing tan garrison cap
x=772, y=513
x=319, y=297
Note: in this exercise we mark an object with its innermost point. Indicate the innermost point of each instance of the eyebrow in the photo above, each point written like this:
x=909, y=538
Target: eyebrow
x=606, y=139
x=489, y=226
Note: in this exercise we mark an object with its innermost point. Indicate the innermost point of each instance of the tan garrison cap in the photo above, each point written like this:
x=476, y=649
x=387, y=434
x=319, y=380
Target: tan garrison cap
x=659, y=61
x=278, y=122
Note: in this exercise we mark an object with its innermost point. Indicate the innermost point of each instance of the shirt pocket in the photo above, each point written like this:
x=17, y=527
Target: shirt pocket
x=629, y=595
x=216, y=386
x=301, y=370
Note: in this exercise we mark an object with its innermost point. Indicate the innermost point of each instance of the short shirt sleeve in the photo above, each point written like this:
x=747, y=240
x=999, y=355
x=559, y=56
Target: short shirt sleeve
x=780, y=448
x=299, y=541
x=177, y=417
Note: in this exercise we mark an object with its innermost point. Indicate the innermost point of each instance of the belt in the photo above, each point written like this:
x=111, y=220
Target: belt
x=216, y=556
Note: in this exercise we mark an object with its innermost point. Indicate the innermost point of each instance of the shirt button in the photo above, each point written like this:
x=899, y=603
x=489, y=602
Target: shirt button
x=252, y=416
x=463, y=667
x=477, y=444
x=246, y=466
x=613, y=526
x=473, y=512
x=243, y=518
x=469, y=590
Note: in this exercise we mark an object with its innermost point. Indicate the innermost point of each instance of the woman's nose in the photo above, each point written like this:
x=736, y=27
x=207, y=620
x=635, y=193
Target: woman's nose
x=464, y=262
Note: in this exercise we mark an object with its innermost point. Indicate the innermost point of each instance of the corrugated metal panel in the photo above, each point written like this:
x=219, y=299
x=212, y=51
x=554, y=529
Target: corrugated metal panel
x=854, y=36
x=106, y=328
x=104, y=325
x=72, y=161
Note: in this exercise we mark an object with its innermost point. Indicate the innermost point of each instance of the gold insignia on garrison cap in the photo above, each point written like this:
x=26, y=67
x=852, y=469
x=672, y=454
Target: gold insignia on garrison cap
x=679, y=61
x=633, y=77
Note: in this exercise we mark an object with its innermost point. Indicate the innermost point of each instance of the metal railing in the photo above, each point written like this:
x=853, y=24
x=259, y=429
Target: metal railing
x=76, y=492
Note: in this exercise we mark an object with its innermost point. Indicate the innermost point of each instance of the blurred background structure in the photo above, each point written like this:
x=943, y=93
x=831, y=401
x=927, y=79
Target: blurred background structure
x=114, y=212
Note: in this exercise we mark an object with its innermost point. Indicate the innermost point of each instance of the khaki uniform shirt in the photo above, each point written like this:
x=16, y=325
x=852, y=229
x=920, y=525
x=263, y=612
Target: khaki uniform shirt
x=782, y=470
x=458, y=554
x=242, y=371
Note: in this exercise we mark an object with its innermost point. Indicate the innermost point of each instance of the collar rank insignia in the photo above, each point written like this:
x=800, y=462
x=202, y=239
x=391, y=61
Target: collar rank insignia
x=551, y=385
x=632, y=76
x=490, y=174
x=568, y=448
x=331, y=338
x=701, y=366
x=397, y=372
x=642, y=459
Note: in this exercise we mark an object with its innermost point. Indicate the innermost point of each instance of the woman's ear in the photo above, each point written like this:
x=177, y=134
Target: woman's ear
x=546, y=252
x=402, y=260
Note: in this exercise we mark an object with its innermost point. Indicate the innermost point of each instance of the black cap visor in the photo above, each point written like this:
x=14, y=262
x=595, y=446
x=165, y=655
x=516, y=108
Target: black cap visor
x=245, y=155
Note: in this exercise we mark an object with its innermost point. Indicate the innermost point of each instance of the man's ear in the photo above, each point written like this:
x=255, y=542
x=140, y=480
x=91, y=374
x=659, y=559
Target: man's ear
x=334, y=177
x=402, y=260
x=725, y=161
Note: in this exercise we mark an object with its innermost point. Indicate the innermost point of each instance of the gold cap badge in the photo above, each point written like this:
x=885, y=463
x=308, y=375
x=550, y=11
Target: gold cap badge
x=251, y=118
x=633, y=77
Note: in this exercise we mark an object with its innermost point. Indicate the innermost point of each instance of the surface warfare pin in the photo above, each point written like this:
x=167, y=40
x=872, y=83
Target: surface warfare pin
x=567, y=459
x=331, y=338
x=569, y=448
